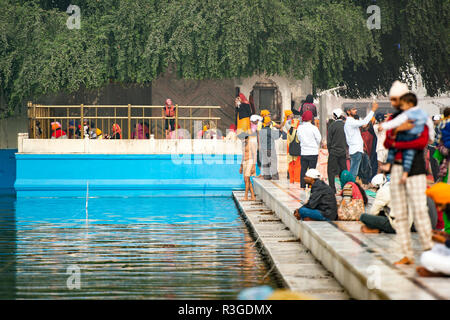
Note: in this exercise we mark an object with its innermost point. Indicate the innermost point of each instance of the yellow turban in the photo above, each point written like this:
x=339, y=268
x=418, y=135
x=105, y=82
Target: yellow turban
x=289, y=295
x=287, y=113
x=265, y=113
x=440, y=193
x=205, y=128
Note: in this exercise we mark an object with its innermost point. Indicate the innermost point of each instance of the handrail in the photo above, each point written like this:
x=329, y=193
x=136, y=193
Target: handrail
x=127, y=116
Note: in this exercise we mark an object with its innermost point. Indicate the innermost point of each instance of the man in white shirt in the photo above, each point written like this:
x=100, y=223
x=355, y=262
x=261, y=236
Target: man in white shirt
x=382, y=152
x=310, y=138
x=353, y=136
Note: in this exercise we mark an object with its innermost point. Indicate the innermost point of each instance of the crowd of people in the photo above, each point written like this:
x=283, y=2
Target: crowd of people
x=141, y=130
x=401, y=159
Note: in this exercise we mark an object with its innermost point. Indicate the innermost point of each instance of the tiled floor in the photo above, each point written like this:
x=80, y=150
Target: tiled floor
x=364, y=253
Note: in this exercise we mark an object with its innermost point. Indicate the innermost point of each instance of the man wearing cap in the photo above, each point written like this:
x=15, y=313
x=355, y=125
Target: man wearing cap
x=353, y=135
x=310, y=138
x=337, y=147
x=321, y=205
x=409, y=196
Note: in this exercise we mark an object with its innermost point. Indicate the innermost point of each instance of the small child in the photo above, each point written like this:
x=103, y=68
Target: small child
x=419, y=117
x=248, y=165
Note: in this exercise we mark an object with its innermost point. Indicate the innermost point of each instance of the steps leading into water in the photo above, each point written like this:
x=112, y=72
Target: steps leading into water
x=362, y=263
x=295, y=265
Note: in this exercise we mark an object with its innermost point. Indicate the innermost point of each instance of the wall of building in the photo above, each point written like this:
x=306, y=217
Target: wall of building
x=290, y=89
x=197, y=93
x=7, y=171
x=111, y=94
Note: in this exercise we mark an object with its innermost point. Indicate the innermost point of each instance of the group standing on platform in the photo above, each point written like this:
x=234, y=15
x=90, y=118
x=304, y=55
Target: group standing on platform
x=390, y=156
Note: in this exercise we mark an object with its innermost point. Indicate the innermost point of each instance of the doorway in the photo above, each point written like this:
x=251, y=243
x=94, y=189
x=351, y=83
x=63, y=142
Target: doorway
x=266, y=95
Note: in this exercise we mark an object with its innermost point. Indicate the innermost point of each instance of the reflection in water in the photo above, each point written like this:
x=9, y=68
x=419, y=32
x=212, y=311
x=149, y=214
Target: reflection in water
x=154, y=248
x=7, y=248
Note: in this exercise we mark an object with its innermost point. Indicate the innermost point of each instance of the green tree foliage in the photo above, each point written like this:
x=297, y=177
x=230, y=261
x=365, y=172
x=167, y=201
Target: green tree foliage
x=414, y=36
x=134, y=41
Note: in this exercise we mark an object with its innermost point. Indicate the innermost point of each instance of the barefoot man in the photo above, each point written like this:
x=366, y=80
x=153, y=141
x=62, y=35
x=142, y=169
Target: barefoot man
x=413, y=192
x=248, y=164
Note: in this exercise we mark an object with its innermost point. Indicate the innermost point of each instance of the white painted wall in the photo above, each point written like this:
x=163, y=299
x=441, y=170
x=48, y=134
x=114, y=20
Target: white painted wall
x=289, y=88
x=152, y=146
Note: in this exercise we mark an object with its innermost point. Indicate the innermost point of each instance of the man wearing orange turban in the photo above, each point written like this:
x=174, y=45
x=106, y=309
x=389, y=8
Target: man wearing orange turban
x=436, y=262
x=440, y=193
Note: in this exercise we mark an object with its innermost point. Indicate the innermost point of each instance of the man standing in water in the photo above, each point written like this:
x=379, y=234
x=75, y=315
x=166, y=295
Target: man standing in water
x=413, y=192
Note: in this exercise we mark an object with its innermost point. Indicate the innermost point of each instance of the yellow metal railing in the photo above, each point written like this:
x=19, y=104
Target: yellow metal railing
x=151, y=119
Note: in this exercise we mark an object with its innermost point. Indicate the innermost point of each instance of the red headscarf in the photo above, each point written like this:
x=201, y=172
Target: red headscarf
x=307, y=115
x=233, y=127
x=243, y=98
x=116, y=128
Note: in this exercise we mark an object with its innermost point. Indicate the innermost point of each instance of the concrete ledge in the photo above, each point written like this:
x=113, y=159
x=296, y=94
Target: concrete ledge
x=150, y=146
x=52, y=175
x=363, y=264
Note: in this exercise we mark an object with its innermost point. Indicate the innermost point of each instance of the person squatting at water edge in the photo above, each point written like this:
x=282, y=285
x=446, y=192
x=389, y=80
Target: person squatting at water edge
x=321, y=205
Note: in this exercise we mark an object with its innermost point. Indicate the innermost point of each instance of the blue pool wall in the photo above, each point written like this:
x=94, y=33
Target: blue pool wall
x=56, y=175
x=7, y=171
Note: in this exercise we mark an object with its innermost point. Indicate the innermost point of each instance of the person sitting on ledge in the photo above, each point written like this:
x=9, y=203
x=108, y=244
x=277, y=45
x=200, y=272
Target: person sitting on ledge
x=436, y=262
x=354, y=198
x=321, y=205
x=381, y=217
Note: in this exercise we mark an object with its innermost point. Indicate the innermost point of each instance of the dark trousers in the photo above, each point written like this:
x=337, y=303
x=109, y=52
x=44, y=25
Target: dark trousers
x=381, y=223
x=336, y=164
x=307, y=162
x=433, y=163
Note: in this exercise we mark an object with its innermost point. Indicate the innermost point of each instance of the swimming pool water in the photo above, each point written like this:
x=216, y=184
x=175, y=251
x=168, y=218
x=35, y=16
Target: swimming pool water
x=127, y=248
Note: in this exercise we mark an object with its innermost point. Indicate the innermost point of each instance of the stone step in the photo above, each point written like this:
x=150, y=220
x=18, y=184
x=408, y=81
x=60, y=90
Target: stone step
x=293, y=262
x=362, y=263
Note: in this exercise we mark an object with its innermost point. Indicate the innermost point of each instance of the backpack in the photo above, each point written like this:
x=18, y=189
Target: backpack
x=294, y=146
x=308, y=106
